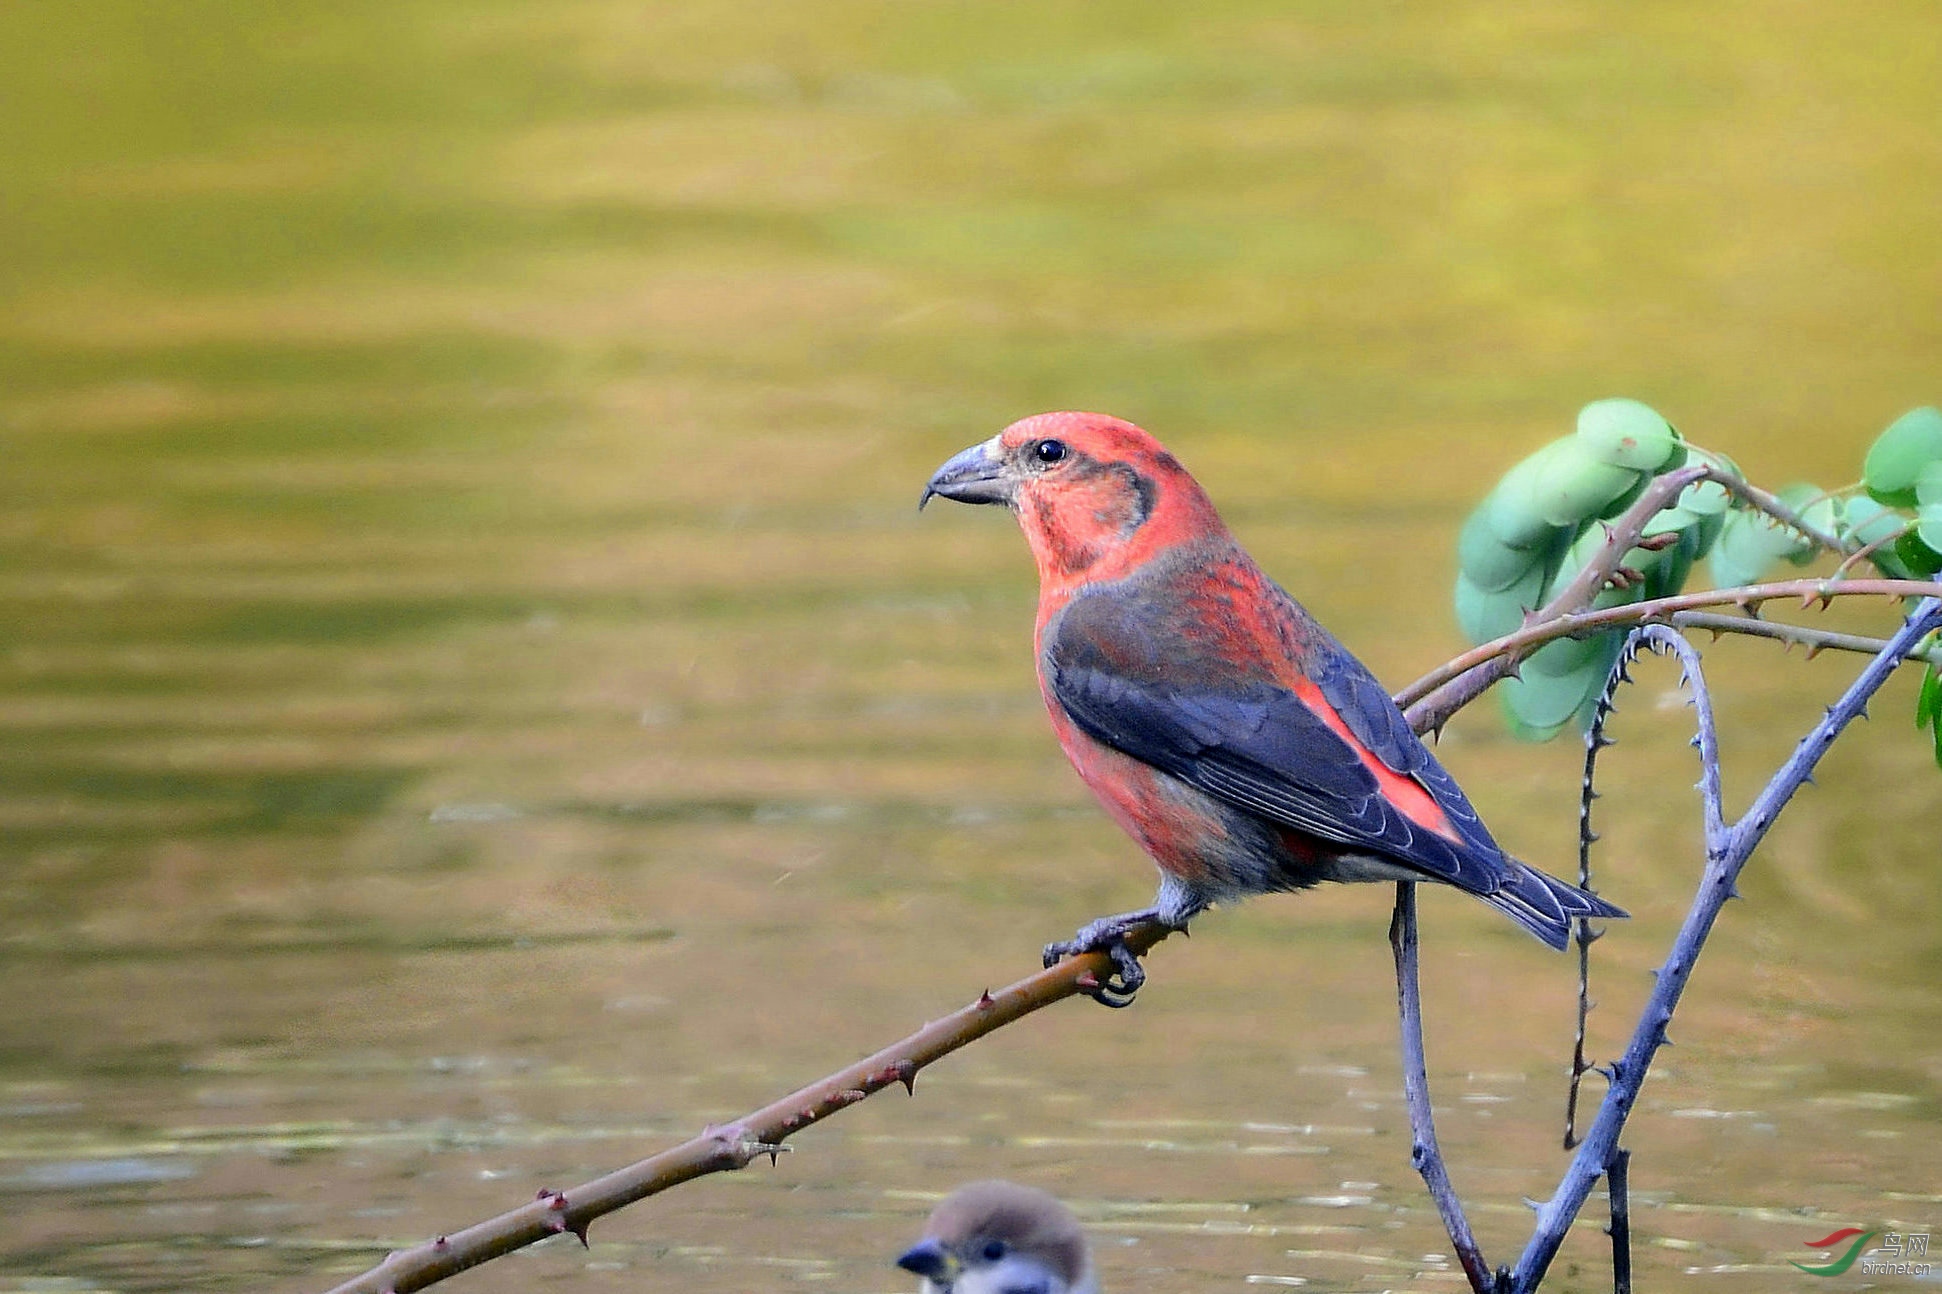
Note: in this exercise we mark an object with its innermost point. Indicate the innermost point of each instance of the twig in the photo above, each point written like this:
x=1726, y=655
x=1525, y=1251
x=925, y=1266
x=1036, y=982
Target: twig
x=1815, y=640
x=1618, y=1183
x=734, y=1145
x=1727, y=850
x=1622, y=535
x=1432, y=699
x=1868, y=549
x=1787, y=515
x=1423, y=1151
x=1460, y=687
x=1595, y=741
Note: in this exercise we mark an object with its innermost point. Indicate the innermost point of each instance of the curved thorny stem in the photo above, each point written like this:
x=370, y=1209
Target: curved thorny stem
x=1595, y=741
x=1728, y=847
x=1432, y=699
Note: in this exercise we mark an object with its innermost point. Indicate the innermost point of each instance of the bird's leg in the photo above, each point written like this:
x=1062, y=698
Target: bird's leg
x=1108, y=935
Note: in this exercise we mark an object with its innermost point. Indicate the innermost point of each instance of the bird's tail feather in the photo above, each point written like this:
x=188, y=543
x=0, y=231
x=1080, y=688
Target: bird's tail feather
x=1545, y=905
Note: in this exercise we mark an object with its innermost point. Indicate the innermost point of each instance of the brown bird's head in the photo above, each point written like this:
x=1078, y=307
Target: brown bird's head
x=1093, y=493
x=1001, y=1238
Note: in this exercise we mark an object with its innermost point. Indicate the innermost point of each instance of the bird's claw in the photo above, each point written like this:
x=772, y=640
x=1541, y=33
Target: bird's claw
x=1109, y=937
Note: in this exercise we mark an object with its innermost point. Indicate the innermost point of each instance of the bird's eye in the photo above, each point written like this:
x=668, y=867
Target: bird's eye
x=994, y=1249
x=1049, y=451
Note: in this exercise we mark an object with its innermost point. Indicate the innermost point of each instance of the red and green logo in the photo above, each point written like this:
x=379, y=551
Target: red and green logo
x=1860, y=1241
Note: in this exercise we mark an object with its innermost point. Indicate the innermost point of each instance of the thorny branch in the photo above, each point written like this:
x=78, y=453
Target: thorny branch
x=1434, y=698
x=1618, y=1182
x=1727, y=851
x=734, y=1145
x=1595, y=741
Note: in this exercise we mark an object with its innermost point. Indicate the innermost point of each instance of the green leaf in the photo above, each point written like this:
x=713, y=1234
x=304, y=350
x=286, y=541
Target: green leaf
x=1896, y=459
x=1748, y=548
x=1928, y=482
x=1815, y=508
x=1628, y=498
x=1868, y=522
x=1928, y=506
x=1625, y=433
x=1484, y=614
x=1537, y=705
x=1571, y=486
x=1914, y=552
x=1928, y=702
x=1708, y=498
x=1514, y=511
x=1546, y=702
x=1565, y=655
x=1673, y=518
x=1487, y=561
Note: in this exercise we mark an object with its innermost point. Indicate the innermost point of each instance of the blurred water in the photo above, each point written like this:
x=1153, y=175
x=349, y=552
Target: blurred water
x=479, y=704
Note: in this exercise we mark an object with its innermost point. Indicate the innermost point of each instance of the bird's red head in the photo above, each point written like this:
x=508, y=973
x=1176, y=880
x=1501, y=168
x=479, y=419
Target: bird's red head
x=1095, y=495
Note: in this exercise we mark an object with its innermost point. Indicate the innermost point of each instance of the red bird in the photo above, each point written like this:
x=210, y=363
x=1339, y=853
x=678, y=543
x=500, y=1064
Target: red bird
x=1225, y=730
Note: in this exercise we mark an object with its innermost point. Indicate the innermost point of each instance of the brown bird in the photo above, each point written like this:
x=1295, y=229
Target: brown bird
x=1001, y=1238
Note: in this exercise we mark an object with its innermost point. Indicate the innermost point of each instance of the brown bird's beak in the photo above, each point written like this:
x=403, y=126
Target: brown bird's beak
x=978, y=475
x=928, y=1258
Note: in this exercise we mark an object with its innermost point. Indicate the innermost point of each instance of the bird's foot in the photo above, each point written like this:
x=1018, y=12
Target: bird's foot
x=1108, y=935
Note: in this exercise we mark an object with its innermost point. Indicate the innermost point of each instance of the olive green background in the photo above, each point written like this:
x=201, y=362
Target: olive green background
x=477, y=703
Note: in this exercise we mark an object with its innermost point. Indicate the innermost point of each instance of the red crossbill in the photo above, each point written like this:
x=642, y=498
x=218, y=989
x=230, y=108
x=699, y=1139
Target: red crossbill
x=1001, y=1238
x=1219, y=724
